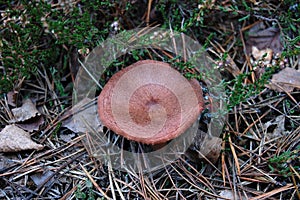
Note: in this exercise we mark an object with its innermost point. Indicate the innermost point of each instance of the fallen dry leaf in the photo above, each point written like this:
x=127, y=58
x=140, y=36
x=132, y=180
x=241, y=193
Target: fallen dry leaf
x=40, y=177
x=25, y=112
x=27, y=116
x=84, y=117
x=205, y=145
x=265, y=54
x=31, y=124
x=278, y=130
x=264, y=38
x=12, y=98
x=286, y=80
x=14, y=139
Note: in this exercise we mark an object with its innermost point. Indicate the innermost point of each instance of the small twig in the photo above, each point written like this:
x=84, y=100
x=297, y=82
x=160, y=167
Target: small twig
x=148, y=12
x=89, y=73
x=94, y=182
x=234, y=156
x=292, y=169
x=196, y=186
x=273, y=192
x=262, y=116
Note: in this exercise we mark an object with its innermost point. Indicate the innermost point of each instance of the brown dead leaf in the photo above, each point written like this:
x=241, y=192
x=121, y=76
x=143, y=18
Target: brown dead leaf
x=25, y=112
x=265, y=54
x=278, y=130
x=286, y=80
x=14, y=139
x=39, y=178
x=12, y=98
x=205, y=145
x=264, y=38
x=27, y=116
x=31, y=124
x=84, y=117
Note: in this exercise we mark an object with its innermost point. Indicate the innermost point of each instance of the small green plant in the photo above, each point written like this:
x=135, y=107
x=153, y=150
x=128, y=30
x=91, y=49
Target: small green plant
x=241, y=91
x=38, y=33
x=89, y=194
x=79, y=194
x=182, y=19
x=281, y=162
x=186, y=68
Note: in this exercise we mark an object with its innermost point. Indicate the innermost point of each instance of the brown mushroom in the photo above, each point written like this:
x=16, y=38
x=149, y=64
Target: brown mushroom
x=150, y=102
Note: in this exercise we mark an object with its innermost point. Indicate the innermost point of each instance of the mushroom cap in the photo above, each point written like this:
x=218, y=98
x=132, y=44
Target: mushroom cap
x=150, y=102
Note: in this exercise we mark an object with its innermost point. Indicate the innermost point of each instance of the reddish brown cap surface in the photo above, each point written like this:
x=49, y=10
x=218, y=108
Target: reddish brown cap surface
x=149, y=102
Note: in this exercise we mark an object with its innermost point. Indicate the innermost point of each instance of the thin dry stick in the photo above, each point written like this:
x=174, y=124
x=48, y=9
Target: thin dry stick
x=234, y=177
x=89, y=73
x=291, y=97
x=236, y=119
x=289, y=138
x=27, y=159
x=223, y=161
x=53, y=93
x=48, y=180
x=35, y=160
x=111, y=174
x=174, y=43
x=134, y=178
x=94, y=182
x=152, y=191
x=163, y=51
x=198, y=175
x=66, y=196
x=142, y=32
x=110, y=179
x=36, y=168
x=207, y=160
x=174, y=185
x=246, y=122
x=183, y=47
x=259, y=119
x=4, y=105
x=294, y=180
x=196, y=186
x=142, y=182
x=56, y=121
x=265, y=174
x=194, y=179
x=148, y=12
x=247, y=57
x=251, y=25
x=273, y=192
x=253, y=180
x=234, y=156
x=232, y=68
x=129, y=186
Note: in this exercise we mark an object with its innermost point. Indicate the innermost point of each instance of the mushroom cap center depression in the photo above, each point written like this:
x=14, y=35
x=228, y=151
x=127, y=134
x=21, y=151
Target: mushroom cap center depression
x=155, y=104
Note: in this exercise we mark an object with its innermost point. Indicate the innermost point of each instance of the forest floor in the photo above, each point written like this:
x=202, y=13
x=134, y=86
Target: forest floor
x=254, y=153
